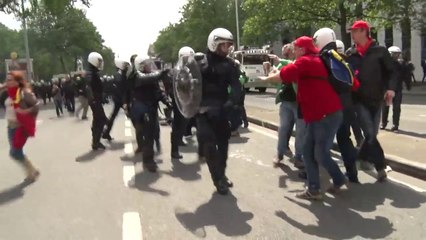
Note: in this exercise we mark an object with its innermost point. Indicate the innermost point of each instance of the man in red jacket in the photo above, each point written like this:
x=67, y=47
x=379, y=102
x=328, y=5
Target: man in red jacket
x=321, y=110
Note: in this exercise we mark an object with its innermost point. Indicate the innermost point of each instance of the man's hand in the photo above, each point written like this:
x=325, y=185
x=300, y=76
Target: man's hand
x=263, y=78
x=389, y=95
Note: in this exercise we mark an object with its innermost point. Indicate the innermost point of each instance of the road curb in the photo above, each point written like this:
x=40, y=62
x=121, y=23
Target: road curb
x=414, y=169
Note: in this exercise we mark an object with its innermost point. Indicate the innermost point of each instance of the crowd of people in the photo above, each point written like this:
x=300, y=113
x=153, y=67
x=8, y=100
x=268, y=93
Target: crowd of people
x=312, y=95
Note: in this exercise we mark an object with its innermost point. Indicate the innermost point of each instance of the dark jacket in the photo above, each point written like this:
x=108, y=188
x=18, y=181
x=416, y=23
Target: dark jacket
x=94, y=86
x=146, y=87
x=119, y=86
x=375, y=72
x=217, y=74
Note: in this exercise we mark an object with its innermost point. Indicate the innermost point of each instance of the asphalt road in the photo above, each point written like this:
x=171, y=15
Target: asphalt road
x=106, y=195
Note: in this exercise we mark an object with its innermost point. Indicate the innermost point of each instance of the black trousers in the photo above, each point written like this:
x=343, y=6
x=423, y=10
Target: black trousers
x=396, y=109
x=347, y=148
x=99, y=121
x=117, y=106
x=178, y=127
x=70, y=103
x=214, y=133
x=145, y=120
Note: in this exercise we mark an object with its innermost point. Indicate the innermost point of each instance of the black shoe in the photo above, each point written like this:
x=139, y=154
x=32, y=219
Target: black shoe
x=222, y=187
x=97, y=146
x=383, y=126
x=228, y=182
x=176, y=155
x=394, y=129
x=107, y=137
x=246, y=124
x=151, y=167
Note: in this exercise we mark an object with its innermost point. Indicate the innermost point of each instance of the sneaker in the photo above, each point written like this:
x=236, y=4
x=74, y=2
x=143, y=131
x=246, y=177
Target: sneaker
x=308, y=195
x=277, y=160
x=394, y=129
x=382, y=176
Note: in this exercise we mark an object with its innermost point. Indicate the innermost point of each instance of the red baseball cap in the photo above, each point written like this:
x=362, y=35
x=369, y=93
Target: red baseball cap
x=307, y=43
x=360, y=24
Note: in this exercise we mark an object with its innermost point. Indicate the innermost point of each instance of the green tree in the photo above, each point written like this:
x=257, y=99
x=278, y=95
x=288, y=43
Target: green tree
x=52, y=6
x=199, y=18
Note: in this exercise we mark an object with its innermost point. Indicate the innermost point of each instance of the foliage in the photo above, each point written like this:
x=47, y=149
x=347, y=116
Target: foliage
x=199, y=18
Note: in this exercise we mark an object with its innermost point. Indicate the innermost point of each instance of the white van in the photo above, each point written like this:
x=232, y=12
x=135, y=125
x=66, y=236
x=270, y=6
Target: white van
x=252, y=64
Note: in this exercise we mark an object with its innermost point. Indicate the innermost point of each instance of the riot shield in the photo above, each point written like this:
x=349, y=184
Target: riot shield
x=187, y=86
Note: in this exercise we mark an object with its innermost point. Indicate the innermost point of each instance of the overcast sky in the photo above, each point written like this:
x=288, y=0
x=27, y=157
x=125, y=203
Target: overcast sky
x=127, y=26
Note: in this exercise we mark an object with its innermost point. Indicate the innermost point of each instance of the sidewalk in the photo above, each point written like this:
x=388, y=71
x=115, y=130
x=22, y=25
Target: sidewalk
x=404, y=153
x=419, y=89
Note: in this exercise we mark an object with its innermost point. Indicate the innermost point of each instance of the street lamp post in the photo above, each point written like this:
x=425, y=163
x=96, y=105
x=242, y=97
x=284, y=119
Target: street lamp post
x=238, y=25
x=27, y=48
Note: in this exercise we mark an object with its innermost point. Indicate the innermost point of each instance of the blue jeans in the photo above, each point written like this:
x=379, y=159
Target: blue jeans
x=318, y=142
x=17, y=154
x=288, y=115
x=371, y=150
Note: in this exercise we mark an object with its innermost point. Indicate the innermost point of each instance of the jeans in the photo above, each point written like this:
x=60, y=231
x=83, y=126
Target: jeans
x=371, y=150
x=396, y=109
x=318, y=142
x=58, y=106
x=288, y=114
x=17, y=154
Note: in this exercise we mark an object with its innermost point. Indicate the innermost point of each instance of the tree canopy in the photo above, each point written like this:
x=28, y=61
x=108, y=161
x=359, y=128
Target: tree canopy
x=55, y=42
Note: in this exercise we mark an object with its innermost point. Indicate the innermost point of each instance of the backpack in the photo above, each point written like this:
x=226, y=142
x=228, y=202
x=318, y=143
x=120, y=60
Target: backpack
x=341, y=76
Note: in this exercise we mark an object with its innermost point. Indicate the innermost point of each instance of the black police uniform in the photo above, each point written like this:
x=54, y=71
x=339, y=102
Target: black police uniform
x=213, y=129
x=118, y=92
x=144, y=114
x=178, y=123
x=403, y=69
x=94, y=95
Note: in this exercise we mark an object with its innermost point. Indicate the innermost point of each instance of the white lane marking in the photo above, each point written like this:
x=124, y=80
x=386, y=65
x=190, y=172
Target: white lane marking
x=128, y=132
x=265, y=133
x=258, y=130
x=132, y=229
x=128, y=148
x=127, y=123
x=129, y=174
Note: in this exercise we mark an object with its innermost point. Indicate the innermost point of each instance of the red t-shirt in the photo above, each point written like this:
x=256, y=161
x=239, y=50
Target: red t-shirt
x=315, y=95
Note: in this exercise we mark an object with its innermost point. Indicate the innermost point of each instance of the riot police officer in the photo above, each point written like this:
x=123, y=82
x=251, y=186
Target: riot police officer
x=179, y=121
x=94, y=95
x=118, y=92
x=218, y=73
x=145, y=94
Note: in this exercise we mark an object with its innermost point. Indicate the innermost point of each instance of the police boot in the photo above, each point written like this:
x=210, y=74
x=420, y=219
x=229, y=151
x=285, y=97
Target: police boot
x=32, y=172
x=150, y=166
x=96, y=146
x=106, y=136
x=175, y=149
x=222, y=186
x=228, y=182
